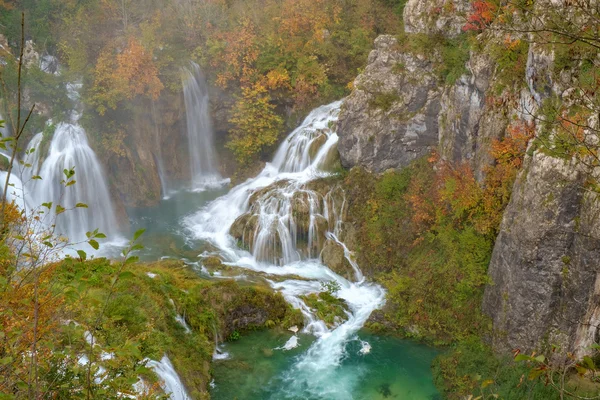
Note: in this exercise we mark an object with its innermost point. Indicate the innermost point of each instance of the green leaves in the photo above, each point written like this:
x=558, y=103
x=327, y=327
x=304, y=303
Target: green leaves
x=126, y=275
x=131, y=260
x=69, y=173
x=94, y=244
x=82, y=255
x=137, y=234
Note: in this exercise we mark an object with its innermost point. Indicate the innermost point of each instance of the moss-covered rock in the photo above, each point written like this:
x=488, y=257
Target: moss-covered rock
x=145, y=302
x=331, y=310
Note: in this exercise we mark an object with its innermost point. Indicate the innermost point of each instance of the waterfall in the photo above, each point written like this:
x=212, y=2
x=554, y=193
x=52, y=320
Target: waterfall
x=170, y=381
x=158, y=156
x=199, y=129
x=69, y=148
x=276, y=223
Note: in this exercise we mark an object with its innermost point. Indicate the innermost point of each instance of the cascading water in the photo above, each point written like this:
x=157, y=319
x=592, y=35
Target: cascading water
x=159, y=159
x=69, y=148
x=170, y=381
x=199, y=130
x=276, y=223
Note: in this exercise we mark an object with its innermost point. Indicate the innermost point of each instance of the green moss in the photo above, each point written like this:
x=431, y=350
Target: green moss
x=435, y=280
x=511, y=61
x=141, y=312
x=327, y=307
x=383, y=101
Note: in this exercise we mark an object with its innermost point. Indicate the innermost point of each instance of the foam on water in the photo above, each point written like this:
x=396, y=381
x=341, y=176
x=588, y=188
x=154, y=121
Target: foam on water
x=275, y=249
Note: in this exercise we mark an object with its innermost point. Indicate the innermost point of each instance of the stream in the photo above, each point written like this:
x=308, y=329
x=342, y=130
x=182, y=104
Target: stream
x=282, y=224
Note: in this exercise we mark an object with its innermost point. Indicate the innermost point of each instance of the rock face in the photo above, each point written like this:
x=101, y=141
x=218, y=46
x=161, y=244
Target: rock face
x=155, y=139
x=333, y=256
x=400, y=110
x=436, y=16
x=544, y=266
x=391, y=118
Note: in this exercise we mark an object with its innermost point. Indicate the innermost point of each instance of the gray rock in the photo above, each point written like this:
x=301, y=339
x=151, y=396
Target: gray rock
x=544, y=264
x=436, y=16
x=333, y=256
x=391, y=118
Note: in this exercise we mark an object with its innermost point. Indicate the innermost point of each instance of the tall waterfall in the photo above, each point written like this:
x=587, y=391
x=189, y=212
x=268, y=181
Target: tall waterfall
x=281, y=221
x=164, y=185
x=69, y=148
x=199, y=129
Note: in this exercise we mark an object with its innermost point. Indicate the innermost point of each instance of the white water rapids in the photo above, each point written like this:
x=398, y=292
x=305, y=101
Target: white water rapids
x=280, y=240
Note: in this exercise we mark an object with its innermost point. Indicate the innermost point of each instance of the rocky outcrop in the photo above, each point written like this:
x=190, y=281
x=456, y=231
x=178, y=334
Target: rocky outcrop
x=391, y=117
x=333, y=256
x=400, y=110
x=436, y=16
x=467, y=124
x=544, y=266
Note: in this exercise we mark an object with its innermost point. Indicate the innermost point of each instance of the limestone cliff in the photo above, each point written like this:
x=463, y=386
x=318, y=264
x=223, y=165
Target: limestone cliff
x=391, y=118
x=544, y=266
x=544, y=275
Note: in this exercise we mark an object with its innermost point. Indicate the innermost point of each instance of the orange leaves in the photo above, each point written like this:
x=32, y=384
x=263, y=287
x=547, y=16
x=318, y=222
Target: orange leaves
x=511, y=149
x=135, y=65
x=124, y=76
x=450, y=194
x=508, y=154
x=237, y=53
x=482, y=16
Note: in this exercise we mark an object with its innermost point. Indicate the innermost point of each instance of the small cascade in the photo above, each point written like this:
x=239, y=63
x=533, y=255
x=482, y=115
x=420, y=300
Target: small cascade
x=277, y=223
x=219, y=353
x=170, y=381
x=203, y=162
x=69, y=148
x=4, y=132
x=32, y=158
x=181, y=321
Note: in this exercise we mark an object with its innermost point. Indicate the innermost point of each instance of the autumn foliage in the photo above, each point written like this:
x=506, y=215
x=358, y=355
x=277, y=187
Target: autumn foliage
x=124, y=75
x=483, y=15
x=256, y=125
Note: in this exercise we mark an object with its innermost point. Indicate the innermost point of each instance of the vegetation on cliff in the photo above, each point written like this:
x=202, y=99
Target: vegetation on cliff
x=426, y=233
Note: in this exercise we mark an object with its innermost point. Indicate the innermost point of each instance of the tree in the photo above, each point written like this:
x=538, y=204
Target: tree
x=256, y=125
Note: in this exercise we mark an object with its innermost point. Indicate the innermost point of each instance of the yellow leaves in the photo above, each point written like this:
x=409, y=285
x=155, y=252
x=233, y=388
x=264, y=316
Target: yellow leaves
x=256, y=126
x=124, y=76
x=277, y=79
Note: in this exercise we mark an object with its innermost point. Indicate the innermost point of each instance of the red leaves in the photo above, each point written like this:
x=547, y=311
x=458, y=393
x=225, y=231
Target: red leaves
x=482, y=16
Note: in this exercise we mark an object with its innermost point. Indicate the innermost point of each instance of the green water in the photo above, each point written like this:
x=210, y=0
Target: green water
x=394, y=369
x=164, y=236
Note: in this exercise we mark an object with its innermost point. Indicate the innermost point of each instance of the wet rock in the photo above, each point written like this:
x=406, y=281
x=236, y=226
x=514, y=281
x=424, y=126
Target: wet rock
x=244, y=228
x=316, y=145
x=333, y=257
